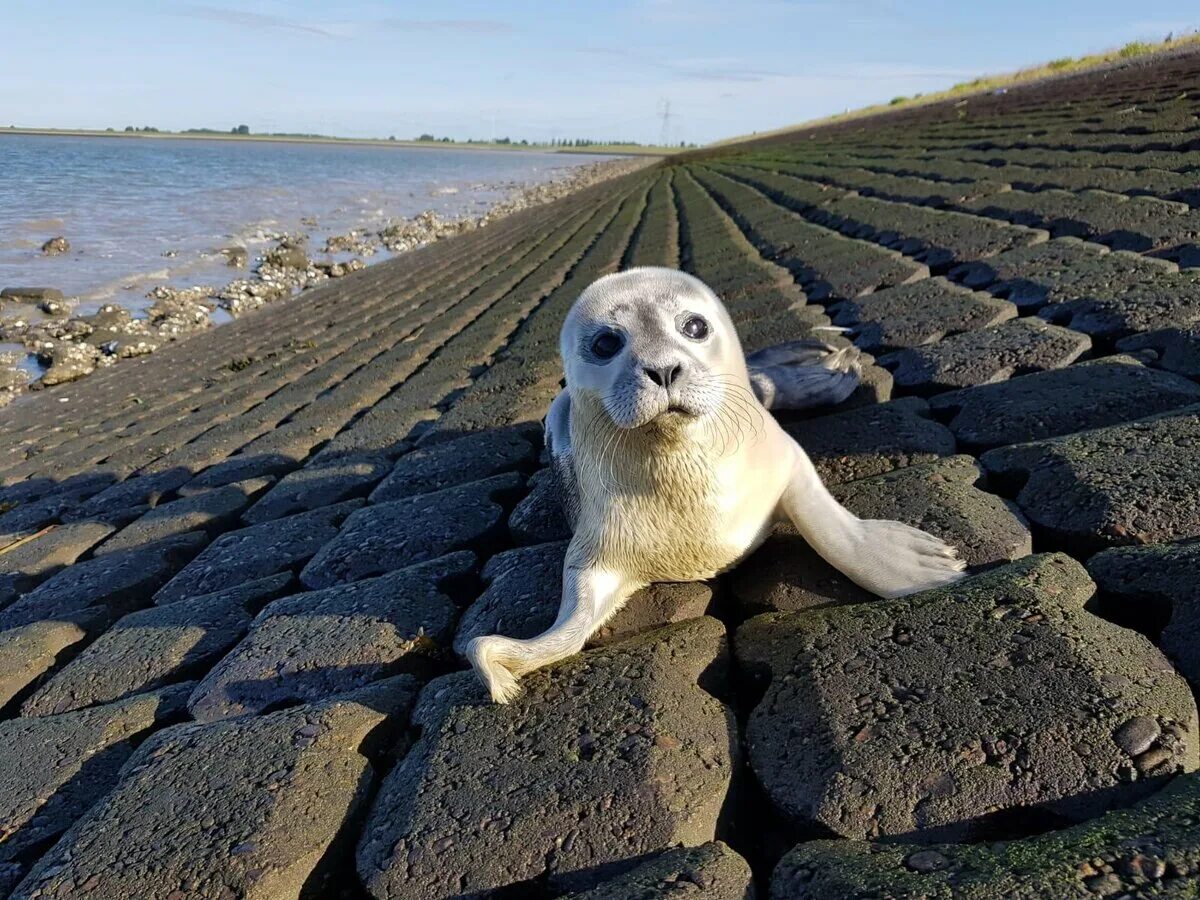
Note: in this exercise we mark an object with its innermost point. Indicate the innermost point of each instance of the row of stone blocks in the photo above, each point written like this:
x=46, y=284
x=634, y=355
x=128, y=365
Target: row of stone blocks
x=1035, y=706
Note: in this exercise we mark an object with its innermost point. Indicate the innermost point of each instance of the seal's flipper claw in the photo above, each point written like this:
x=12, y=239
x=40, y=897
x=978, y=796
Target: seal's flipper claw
x=804, y=374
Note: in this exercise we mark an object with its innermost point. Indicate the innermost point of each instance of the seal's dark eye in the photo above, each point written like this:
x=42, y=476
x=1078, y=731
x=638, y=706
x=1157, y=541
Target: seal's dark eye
x=606, y=344
x=695, y=328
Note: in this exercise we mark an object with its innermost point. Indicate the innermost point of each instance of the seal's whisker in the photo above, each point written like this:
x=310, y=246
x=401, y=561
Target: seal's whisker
x=735, y=426
x=739, y=408
x=734, y=394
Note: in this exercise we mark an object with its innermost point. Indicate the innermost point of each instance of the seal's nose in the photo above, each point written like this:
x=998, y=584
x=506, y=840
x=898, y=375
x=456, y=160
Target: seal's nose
x=664, y=376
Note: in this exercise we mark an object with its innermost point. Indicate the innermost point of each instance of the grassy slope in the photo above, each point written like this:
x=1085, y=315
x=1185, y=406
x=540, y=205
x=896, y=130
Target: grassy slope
x=986, y=84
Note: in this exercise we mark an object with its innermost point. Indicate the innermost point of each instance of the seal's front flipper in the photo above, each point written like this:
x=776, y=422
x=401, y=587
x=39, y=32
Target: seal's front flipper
x=889, y=559
x=803, y=374
x=590, y=597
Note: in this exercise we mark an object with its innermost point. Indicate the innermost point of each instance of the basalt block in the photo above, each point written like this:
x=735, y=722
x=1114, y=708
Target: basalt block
x=314, y=645
x=1139, y=584
x=1035, y=707
x=258, y=551
x=448, y=463
x=119, y=582
x=30, y=651
x=1177, y=349
x=1017, y=347
x=924, y=312
x=313, y=487
x=53, y=768
x=539, y=517
x=871, y=440
x=1126, y=484
x=209, y=511
x=151, y=648
x=607, y=757
x=383, y=537
x=1088, y=395
x=1151, y=850
x=44, y=553
x=244, y=808
x=712, y=871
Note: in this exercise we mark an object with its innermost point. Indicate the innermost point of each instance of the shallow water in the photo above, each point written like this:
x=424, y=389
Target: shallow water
x=127, y=204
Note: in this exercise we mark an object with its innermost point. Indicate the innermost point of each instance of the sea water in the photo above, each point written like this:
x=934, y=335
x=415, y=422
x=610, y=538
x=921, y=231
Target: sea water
x=144, y=211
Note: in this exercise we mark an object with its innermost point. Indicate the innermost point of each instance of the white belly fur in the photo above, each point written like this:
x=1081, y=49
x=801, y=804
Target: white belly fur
x=660, y=505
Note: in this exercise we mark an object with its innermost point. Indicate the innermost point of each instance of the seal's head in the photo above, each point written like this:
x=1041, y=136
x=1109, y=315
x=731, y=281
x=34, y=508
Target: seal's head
x=652, y=344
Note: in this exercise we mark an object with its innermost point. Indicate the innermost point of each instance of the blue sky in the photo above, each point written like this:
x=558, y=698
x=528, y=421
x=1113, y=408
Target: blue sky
x=534, y=70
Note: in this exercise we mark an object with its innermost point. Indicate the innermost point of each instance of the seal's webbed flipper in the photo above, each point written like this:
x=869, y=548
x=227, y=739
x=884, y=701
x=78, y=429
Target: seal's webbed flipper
x=889, y=559
x=803, y=374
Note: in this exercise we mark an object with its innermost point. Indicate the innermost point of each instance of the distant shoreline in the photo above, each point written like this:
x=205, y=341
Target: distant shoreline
x=595, y=149
x=43, y=334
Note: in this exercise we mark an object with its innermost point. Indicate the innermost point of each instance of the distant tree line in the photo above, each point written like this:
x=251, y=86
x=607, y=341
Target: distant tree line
x=554, y=142
x=425, y=138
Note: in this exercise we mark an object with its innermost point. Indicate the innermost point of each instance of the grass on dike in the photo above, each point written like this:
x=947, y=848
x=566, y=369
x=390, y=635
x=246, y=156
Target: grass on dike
x=986, y=84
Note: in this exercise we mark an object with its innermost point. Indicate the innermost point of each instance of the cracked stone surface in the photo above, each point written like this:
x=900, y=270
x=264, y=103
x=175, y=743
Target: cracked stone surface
x=257, y=551
x=53, y=768
x=314, y=645
x=153, y=647
x=1127, y=484
x=871, y=440
x=1150, y=850
x=1137, y=579
x=525, y=588
x=784, y=574
x=383, y=537
x=244, y=808
x=1092, y=394
x=608, y=756
x=28, y=652
x=710, y=871
x=1034, y=705
x=465, y=459
x=1017, y=347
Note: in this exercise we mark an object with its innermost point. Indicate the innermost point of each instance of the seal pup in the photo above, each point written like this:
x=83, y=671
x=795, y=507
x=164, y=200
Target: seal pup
x=673, y=470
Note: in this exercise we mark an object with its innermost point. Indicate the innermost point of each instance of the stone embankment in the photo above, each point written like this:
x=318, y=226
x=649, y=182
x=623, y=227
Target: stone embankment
x=235, y=575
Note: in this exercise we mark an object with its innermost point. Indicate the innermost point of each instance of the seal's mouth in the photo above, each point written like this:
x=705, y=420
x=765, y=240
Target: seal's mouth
x=674, y=416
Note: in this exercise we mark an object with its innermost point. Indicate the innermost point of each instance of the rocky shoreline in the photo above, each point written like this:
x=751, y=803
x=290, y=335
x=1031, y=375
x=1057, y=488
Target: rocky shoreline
x=69, y=347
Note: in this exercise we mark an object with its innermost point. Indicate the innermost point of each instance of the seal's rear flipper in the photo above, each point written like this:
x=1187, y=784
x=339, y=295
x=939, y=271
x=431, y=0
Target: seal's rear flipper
x=803, y=374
